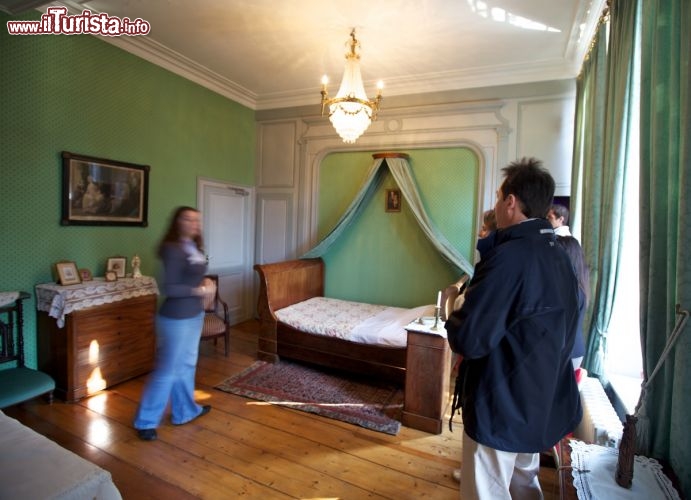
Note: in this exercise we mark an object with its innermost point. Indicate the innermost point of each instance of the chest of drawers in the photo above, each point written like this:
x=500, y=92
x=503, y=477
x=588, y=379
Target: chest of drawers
x=98, y=346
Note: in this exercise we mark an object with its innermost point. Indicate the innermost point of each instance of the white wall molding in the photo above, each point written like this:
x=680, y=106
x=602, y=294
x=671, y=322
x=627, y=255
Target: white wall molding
x=479, y=126
x=291, y=148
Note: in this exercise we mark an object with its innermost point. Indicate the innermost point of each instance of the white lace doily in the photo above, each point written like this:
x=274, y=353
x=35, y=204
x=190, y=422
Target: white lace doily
x=58, y=301
x=8, y=298
x=593, y=472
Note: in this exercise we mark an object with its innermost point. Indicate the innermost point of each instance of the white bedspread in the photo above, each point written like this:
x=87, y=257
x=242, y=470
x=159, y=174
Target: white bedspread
x=352, y=321
x=34, y=467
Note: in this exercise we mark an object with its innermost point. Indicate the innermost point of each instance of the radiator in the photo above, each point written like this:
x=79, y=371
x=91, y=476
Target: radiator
x=600, y=423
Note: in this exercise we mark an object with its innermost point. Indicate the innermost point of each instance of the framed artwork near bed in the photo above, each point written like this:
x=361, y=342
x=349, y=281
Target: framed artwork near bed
x=393, y=200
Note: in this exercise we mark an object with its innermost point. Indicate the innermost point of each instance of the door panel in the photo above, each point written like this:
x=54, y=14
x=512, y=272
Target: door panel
x=227, y=215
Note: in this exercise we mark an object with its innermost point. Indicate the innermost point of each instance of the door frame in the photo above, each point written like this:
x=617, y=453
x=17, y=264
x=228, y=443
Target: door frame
x=247, y=307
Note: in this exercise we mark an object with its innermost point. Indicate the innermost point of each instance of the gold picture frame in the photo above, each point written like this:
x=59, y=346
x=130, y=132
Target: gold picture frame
x=118, y=265
x=67, y=273
x=85, y=274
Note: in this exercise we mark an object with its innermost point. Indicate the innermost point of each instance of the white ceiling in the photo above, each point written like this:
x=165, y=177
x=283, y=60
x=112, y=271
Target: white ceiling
x=270, y=54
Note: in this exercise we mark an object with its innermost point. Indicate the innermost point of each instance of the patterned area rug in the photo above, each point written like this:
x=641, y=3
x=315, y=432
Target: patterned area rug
x=326, y=393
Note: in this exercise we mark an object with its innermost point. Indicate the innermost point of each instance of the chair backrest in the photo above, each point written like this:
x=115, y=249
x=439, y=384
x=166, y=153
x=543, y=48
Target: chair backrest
x=11, y=321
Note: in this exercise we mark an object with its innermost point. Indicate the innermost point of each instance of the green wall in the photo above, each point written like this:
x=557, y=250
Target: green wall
x=83, y=95
x=384, y=257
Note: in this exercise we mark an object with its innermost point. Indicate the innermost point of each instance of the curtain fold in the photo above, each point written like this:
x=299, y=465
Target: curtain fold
x=665, y=228
x=589, y=165
x=369, y=187
x=583, y=93
x=586, y=187
x=619, y=107
x=402, y=174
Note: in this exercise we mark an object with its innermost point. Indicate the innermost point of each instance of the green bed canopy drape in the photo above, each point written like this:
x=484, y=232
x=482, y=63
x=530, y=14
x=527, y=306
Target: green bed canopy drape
x=400, y=170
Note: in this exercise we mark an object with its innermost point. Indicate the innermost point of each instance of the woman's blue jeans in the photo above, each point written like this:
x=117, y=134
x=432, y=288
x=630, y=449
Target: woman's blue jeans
x=177, y=352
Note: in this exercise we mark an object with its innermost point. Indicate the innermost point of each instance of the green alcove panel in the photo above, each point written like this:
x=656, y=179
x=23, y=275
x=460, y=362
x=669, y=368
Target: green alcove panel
x=384, y=257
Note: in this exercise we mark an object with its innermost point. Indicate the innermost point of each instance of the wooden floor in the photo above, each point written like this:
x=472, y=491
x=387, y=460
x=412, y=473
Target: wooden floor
x=247, y=448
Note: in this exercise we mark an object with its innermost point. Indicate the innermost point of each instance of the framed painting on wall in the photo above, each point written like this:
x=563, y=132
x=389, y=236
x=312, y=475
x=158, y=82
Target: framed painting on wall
x=393, y=200
x=100, y=192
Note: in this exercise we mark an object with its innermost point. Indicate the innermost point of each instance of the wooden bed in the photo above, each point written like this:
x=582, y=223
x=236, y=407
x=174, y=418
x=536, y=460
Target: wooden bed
x=422, y=367
x=289, y=282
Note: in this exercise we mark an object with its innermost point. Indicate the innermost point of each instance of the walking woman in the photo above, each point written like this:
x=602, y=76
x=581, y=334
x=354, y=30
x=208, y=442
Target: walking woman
x=178, y=327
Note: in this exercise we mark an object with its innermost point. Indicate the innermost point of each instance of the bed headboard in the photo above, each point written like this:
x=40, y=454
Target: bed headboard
x=280, y=285
x=291, y=281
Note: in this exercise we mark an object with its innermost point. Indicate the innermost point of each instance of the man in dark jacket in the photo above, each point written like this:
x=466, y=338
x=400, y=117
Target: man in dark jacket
x=515, y=331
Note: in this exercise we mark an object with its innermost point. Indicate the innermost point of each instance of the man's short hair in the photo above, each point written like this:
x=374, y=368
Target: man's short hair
x=561, y=211
x=532, y=185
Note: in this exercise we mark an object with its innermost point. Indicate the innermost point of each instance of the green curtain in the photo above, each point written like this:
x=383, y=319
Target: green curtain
x=665, y=227
x=402, y=174
x=586, y=187
x=604, y=205
x=589, y=130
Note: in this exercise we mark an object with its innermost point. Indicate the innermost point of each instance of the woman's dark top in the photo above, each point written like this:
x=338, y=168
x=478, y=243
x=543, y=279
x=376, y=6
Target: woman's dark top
x=183, y=269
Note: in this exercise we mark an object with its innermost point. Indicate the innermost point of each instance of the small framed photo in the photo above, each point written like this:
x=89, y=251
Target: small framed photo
x=67, y=273
x=85, y=274
x=393, y=200
x=118, y=265
x=111, y=276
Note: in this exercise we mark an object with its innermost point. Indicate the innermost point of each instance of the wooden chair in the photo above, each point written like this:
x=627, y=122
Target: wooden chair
x=216, y=320
x=18, y=383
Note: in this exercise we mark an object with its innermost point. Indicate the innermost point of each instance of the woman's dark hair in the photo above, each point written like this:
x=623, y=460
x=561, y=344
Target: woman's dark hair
x=172, y=235
x=531, y=184
x=575, y=252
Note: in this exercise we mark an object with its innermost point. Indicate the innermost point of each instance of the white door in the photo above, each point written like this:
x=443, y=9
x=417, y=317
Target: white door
x=228, y=229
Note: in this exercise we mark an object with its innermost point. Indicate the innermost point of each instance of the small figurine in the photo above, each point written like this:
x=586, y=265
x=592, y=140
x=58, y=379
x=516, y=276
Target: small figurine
x=136, y=273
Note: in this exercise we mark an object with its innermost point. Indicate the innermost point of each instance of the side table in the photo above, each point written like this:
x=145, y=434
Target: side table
x=427, y=379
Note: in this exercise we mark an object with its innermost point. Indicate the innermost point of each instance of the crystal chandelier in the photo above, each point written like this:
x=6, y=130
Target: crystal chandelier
x=350, y=111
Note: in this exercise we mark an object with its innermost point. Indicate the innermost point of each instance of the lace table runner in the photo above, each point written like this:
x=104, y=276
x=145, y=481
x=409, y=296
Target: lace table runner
x=58, y=300
x=593, y=472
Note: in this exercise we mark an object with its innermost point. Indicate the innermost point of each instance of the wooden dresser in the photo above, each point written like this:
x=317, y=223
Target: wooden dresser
x=99, y=344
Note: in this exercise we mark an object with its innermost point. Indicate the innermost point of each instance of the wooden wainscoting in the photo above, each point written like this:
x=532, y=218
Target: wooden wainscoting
x=247, y=448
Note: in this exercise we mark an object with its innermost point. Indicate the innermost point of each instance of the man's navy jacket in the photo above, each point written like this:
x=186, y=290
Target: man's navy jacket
x=516, y=330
